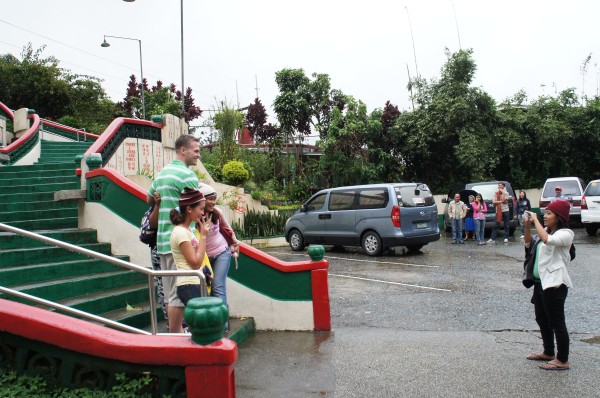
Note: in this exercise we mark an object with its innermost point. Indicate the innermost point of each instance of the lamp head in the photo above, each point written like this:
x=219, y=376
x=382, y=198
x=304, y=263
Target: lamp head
x=105, y=43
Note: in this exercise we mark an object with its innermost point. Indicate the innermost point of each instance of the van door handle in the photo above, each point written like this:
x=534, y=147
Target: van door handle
x=324, y=216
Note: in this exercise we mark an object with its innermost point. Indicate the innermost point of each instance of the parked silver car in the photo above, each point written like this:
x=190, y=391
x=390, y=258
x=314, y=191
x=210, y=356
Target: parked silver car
x=590, y=207
x=375, y=217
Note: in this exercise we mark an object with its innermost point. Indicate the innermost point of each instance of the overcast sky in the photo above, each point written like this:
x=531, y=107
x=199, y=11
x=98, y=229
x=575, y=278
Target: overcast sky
x=364, y=46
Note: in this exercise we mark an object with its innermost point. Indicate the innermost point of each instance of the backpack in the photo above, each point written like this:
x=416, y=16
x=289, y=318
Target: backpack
x=147, y=234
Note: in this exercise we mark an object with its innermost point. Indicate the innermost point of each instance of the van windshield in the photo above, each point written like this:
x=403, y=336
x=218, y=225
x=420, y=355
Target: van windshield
x=569, y=188
x=414, y=195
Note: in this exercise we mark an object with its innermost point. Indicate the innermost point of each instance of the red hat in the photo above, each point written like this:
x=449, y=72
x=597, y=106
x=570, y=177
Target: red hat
x=190, y=196
x=560, y=208
x=558, y=188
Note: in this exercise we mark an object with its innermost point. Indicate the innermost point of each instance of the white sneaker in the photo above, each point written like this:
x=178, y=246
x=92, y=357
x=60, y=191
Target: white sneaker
x=491, y=241
x=505, y=240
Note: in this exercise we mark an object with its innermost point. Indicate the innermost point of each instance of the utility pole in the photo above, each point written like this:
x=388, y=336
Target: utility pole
x=413, y=41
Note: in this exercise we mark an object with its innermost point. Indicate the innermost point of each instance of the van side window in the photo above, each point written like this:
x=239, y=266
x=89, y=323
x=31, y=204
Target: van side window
x=373, y=198
x=316, y=203
x=341, y=200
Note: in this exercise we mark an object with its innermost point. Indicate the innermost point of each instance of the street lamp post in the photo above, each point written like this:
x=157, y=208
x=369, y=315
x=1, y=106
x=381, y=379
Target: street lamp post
x=106, y=44
x=182, y=80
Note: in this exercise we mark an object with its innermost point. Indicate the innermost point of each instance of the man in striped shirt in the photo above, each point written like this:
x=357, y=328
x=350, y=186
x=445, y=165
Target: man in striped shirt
x=169, y=183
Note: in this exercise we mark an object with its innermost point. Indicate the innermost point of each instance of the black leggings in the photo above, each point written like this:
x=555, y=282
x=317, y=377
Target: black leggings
x=550, y=316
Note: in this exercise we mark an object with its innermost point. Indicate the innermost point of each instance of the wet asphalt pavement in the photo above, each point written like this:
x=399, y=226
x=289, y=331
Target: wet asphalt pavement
x=450, y=321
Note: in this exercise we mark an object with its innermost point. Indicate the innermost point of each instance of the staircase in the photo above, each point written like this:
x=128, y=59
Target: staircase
x=72, y=279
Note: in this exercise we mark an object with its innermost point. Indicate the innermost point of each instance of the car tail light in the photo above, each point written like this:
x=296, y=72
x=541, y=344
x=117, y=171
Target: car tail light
x=583, y=203
x=544, y=203
x=396, y=216
x=514, y=203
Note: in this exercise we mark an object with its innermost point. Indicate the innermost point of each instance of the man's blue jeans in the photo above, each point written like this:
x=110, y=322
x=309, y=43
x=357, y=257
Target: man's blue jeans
x=457, y=229
x=506, y=221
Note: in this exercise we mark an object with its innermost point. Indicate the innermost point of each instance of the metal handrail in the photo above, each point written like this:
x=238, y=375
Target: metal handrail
x=124, y=264
x=79, y=131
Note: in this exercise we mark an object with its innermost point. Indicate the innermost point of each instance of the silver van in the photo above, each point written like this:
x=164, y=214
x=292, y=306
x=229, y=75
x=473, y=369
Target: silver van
x=375, y=217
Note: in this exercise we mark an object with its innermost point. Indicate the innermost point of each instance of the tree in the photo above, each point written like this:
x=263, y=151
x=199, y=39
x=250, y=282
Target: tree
x=446, y=139
x=228, y=121
x=256, y=121
x=55, y=93
x=385, y=161
x=344, y=157
x=158, y=101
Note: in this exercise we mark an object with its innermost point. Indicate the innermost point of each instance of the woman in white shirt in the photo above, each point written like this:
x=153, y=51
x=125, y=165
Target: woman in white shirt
x=551, y=249
x=188, y=251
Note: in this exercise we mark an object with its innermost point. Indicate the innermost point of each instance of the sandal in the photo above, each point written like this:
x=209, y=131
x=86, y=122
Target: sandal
x=554, y=366
x=540, y=357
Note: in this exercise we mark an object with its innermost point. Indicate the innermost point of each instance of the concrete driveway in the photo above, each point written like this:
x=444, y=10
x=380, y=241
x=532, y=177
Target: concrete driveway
x=451, y=321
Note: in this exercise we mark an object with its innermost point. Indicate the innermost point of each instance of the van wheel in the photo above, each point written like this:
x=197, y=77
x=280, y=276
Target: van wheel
x=296, y=241
x=591, y=229
x=414, y=248
x=371, y=243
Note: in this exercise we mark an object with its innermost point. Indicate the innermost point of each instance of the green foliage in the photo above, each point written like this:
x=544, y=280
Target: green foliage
x=261, y=224
x=38, y=82
x=235, y=173
x=260, y=165
x=228, y=121
x=13, y=385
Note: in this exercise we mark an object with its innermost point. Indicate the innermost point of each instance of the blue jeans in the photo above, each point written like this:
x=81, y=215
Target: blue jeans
x=521, y=224
x=220, y=265
x=506, y=222
x=479, y=229
x=457, y=229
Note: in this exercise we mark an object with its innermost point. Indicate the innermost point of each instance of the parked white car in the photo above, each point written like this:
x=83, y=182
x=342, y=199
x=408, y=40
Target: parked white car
x=572, y=189
x=590, y=207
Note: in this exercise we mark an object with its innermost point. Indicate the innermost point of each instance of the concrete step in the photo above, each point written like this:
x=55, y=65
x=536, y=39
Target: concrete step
x=36, y=167
x=40, y=180
x=8, y=240
x=29, y=274
x=22, y=175
x=51, y=187
x=80, y=286
x=32, y=215
x=47, y=254
x=32, y=206
x=46, y=223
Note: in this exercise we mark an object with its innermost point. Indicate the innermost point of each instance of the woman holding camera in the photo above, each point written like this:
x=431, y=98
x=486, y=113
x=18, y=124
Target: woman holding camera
x=551, y=282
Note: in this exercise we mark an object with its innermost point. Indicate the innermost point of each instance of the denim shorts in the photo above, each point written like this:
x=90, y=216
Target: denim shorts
x=188, y=292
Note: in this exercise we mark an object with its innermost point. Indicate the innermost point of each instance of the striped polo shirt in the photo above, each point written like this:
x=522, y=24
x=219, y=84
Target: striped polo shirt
x=169, y=183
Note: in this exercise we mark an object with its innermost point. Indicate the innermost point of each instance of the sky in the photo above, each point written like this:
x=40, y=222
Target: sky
x=368, y=48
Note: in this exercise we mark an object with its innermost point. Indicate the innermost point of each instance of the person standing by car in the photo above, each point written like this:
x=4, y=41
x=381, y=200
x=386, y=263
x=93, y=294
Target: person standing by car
x=469, y=219
x=479, y=210
x=551, y=282
x=457, y=210
x=523, y=205
x=558, y=194
x=501, y=202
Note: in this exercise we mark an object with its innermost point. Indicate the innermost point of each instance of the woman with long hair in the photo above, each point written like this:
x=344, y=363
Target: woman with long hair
x=221, y=244
x=551, y=282
x=479, y=210
x=188, y=250
x=523, y=205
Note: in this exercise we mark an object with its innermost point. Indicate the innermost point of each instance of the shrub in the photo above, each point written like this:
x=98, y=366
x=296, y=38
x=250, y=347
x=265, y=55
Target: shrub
x=235, y=173
x=261, y=224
